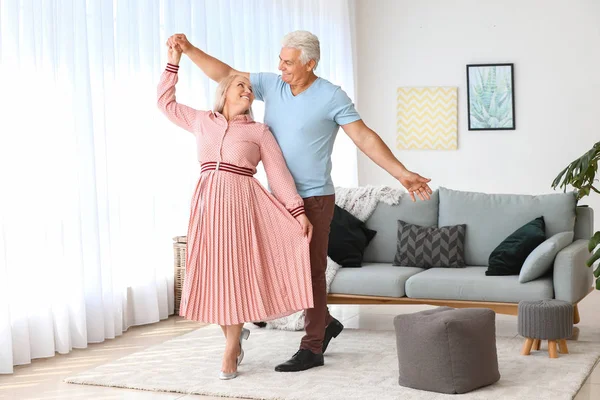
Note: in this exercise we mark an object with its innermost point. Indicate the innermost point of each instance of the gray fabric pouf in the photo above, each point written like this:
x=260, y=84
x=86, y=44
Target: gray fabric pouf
x=550, y=320
x=447, y=350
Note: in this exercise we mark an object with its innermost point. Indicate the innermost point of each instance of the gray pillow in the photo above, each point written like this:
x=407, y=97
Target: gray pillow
x=428, y=247
x=540, y=260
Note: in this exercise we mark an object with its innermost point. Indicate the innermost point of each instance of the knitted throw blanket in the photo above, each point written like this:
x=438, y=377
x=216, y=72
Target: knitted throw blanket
x=360, y=202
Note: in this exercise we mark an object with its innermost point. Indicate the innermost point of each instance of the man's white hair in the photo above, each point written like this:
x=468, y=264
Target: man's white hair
x=307, y=43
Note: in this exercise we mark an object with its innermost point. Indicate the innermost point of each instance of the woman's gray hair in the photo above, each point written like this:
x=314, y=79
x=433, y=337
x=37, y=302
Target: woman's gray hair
x=221, y=95
x=307, y=43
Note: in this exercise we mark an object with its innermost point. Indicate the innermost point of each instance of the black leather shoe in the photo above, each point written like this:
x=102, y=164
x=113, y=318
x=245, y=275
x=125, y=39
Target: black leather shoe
x=333, y=330
x=303, y=359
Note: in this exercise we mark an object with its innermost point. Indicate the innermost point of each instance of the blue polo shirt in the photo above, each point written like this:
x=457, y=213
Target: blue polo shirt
x=305, y=127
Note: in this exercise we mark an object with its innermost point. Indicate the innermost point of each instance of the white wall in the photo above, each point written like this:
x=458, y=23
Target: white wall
x=555, y=46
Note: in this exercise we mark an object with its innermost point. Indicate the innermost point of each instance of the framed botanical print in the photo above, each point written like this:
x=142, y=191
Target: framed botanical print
x=491, y=97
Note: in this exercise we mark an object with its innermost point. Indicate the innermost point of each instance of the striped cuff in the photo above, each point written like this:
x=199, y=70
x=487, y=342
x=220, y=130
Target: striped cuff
x=172, y=68
x=297, y=211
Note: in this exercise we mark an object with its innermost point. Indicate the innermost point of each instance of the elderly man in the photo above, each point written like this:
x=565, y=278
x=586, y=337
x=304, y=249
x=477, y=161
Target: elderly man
x=304, y=113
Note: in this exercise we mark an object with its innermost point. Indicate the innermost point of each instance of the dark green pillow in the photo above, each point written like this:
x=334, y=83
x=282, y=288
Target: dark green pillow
x=509, y=256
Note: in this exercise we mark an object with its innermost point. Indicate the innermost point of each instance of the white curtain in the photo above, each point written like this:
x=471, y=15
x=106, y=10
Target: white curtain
x=95, y=182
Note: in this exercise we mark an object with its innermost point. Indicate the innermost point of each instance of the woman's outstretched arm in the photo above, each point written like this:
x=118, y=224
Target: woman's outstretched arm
x=181, y=115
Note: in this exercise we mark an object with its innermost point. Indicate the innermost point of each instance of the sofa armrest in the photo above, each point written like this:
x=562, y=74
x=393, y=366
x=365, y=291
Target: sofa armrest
x=572, y=278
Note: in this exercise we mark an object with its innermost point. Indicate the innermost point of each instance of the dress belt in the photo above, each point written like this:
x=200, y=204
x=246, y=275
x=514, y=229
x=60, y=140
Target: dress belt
x=221, y=166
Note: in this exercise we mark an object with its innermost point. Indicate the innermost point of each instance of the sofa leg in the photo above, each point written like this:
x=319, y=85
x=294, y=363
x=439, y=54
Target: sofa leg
x=527, y=347
x=536, y=344
x=576, y=318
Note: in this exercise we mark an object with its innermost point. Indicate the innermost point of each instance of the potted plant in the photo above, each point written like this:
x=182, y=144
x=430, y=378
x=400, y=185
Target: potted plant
x=581, y=174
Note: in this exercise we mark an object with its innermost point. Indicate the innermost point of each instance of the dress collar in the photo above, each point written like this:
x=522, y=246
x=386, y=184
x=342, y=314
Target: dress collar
x=241, y=118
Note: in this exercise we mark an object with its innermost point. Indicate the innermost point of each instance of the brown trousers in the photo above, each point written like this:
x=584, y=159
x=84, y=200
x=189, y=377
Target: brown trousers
x=319, y=210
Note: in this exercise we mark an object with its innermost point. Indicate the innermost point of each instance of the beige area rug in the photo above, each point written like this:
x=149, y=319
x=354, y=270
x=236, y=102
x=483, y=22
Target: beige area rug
x=359, y=364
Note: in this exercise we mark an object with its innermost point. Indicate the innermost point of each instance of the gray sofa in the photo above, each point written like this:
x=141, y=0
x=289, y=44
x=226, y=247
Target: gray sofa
x=490, y=218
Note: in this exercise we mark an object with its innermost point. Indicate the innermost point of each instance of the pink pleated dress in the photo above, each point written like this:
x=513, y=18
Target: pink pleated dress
x=247, y=257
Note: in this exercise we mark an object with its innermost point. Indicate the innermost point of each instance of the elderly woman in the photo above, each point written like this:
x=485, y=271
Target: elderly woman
x=248, y=250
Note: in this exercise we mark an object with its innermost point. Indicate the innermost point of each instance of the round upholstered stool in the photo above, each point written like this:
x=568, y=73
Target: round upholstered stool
x=550, y=320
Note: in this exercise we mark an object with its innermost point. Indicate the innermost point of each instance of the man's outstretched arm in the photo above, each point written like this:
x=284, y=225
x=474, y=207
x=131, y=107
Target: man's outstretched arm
x=371, y=144
x=215, y=69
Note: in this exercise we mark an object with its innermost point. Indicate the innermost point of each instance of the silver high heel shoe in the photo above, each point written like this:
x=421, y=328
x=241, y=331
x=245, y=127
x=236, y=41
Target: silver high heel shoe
x=244, y=335
x=226, y=376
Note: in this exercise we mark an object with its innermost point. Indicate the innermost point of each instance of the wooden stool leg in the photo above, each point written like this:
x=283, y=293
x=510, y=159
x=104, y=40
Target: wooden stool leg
x=527, y=347
x=536, y=344
x=576, y=318
x=552, y=349
x=562, y=345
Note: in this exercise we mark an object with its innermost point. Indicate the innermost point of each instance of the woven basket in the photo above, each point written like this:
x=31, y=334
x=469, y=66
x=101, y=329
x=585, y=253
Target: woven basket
x=179, y=245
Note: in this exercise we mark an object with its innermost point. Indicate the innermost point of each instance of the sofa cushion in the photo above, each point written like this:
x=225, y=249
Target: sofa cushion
x=382, y=248
x=427, y=246
x=373, y=279
x=490, y=218
x=541, y=258
x=509, y=256
x=471, y=284
x=348, y=238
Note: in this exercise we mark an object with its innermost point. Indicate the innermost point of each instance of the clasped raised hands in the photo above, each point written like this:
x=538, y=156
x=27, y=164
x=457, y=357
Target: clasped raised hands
x=174, y=55
x=179, y=40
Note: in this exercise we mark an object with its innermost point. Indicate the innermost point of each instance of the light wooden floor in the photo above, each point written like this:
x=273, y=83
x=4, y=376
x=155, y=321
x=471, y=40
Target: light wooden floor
x=43, y=378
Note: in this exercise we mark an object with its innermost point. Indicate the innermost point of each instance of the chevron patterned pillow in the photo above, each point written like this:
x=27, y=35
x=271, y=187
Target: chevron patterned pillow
x=428, y=247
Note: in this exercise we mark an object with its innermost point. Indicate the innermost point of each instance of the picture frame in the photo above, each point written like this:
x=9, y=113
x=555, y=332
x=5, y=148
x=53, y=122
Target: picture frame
x=491, y=97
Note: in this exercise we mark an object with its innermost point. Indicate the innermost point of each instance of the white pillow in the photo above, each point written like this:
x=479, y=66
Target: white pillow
x=540, y=260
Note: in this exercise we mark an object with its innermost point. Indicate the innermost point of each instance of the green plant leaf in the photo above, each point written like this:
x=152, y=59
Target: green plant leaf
x=584, y=192
x=594, y=242
x=597, y=272
x=580, y=173
x=556, y=181
x=595, y=257
x=597, y=284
